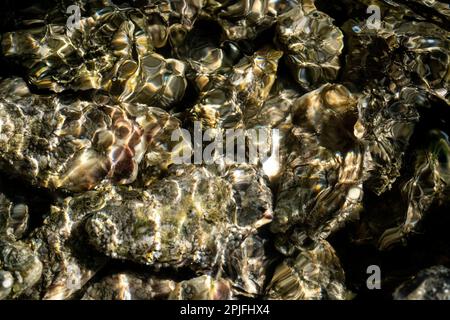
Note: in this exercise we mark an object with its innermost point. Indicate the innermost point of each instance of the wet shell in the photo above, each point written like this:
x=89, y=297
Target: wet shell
x=385, y=126
x=314, y=274
x=202, y=288
x=429, y=185
x=111, y=50
x=322, y=185
x=398, y=54
x=13, y=219
x=66, y=143
x=20, y=267
x=312, y=45
x=429, y=284
x=225, y=100
x=155, y=226
x=68, y=262
x=246, y=19
x=129, y=286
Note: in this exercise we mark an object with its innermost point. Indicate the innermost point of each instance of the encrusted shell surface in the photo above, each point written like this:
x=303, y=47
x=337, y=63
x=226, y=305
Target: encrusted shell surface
x=62, y=247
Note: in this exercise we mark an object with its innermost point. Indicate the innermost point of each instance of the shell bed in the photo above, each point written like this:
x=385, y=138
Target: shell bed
x=352, y=97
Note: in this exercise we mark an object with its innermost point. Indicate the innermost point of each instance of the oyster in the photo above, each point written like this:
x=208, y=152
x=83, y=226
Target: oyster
x=63, y=142
x=20, y=268
x=400, y=53
x=322, y=184
x=132, y=286
x=429, y=284
x=112, y=50
x=246, y=19
x=385, y=125
x=429, y=184
x=62, y=247
x=247, y=267
x=312, y=45
x=225, y=100
x=154, y=226
x=129, y=286
x=313, y=274
x=202, y=288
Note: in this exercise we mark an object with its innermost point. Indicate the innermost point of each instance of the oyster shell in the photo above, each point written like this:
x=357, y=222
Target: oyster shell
x=225, y=100
x=154, y=226
x=62, y=247
x=129, y=286
x=246, y=19
x=20, y=268
x=429, y=284
x=312, y=45
x=313, y=274
x=66, y=143
x=202, y=288
x=400, y=53
x=385, y=126
x=322, y=184
x=132, y=286
x=429, y=184
x=111, y=50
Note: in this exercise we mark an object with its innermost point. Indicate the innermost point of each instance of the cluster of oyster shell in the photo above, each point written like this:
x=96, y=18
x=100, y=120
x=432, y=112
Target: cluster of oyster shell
x=86, y=120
